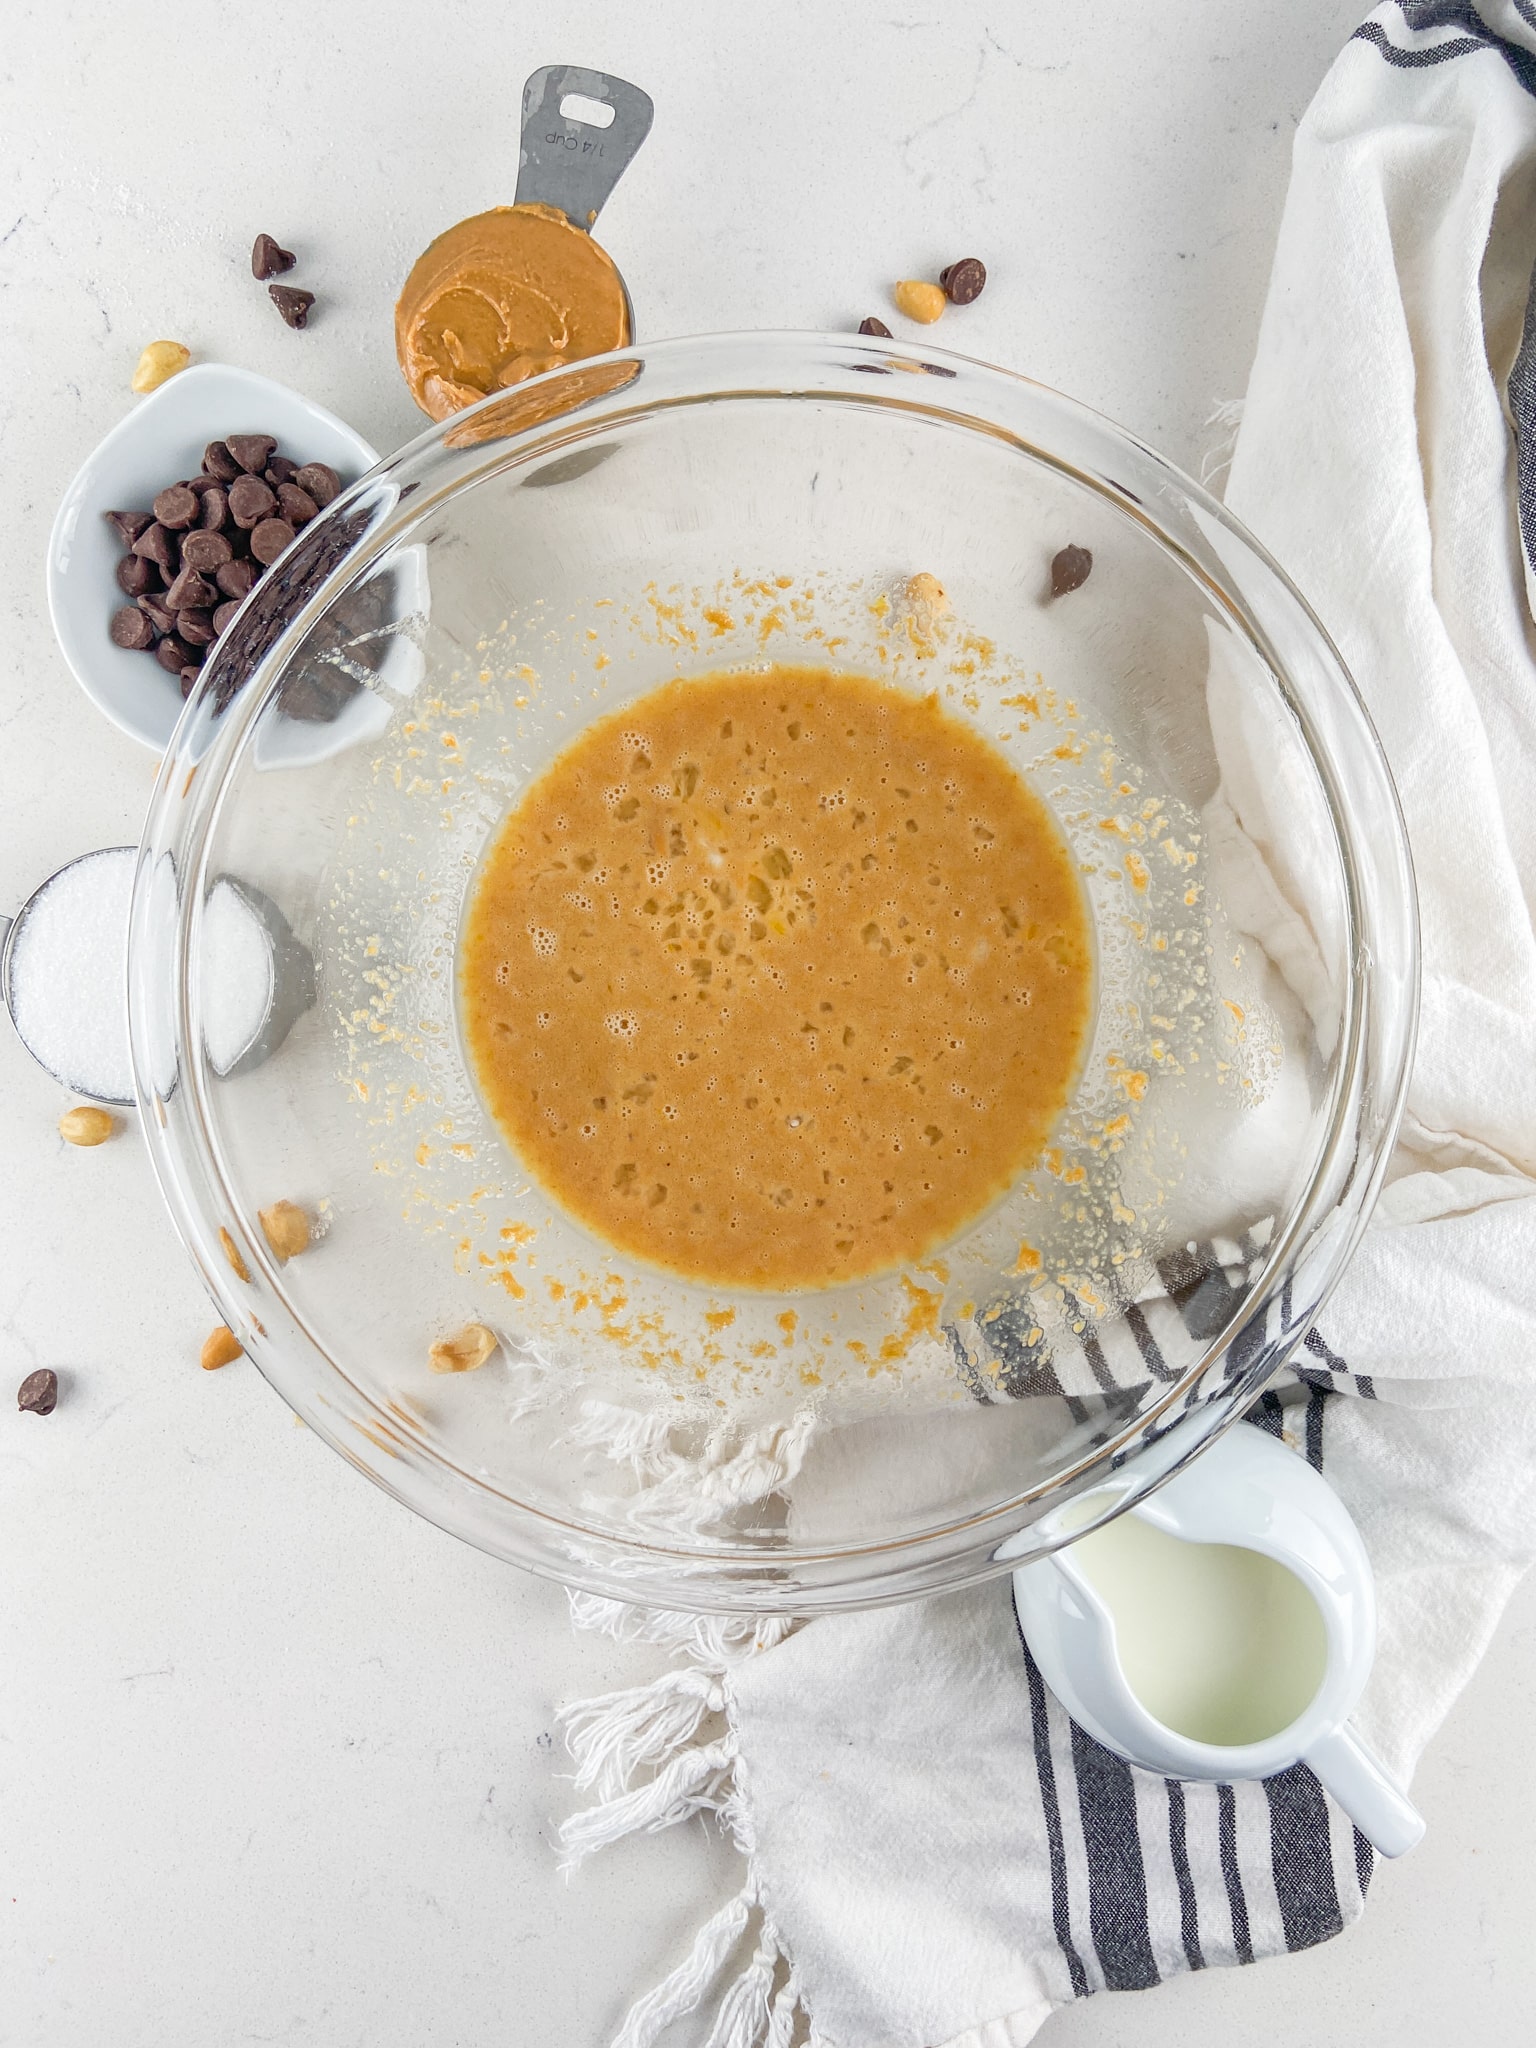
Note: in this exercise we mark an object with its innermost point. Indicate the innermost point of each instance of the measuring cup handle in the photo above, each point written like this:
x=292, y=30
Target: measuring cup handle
x=573, y=165
x=1361, y=1783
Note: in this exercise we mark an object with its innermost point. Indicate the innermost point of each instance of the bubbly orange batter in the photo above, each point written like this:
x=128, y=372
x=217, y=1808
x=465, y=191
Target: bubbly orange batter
x=777, y=979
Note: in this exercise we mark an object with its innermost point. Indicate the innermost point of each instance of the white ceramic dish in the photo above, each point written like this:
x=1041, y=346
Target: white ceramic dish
x=161, y=439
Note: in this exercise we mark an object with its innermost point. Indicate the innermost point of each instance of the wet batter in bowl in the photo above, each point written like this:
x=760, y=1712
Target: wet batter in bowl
x=777, y=979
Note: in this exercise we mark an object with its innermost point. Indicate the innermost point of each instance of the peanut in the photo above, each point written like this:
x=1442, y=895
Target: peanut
x=220, y=1347
x=926, y=593
x=464, y=1350
x=286, y=1229
x=160, y=361
x=86, y=1126
x=919, y=300
x=232, y=1252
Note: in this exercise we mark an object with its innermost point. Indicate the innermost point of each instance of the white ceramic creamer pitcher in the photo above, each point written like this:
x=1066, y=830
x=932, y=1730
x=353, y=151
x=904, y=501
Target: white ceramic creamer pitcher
x=1224, y=1629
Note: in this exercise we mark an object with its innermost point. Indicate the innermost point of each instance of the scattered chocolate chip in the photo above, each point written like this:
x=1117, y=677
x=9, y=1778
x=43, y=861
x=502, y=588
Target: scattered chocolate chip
x=295, y=504
x=177, y=507
x=269, y=538
x=218, y=461
x=172, y=654
x=251, y=451
x=158, y=613
x=130, y=524
x=320, y=480
x=269, y=258
x=873, y=326
x=130, y=628
x=190, y=592
x=156, y=545
x=964, y=281
x=292, y=302
x=204, y=551
x=215, y=508
x=195, y=627
x=1070, y=569
x=38, y=1393
x=225, y=613
x=280, y=471
x=135, y=575
x=250, y=500
x=936, y=370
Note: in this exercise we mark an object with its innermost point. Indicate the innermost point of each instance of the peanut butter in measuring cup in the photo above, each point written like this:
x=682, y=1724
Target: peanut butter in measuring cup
x=510, y=293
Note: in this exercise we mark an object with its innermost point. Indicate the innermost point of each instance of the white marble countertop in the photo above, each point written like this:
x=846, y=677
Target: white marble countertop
x=275, y=1758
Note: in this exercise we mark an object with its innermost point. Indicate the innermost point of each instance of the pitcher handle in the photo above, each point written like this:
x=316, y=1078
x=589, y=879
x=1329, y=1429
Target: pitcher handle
x=1347, y=1767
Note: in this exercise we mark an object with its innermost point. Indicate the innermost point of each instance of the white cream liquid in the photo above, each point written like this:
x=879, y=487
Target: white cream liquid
x=1220, y=1644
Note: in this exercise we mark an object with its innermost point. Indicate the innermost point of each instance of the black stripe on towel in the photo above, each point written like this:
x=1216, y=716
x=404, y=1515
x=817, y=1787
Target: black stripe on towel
x=1317, y=1402
x=1301, y=1855
x=1419, y=15
x=1267, y=1414
x=1040, y=1728
x=1199, y=1290
x=1147, y=1344
x=1178, y=1850
x=1117, y=1877
x=1365, y=1862
x=1337, y=1365
x=1226, y=1815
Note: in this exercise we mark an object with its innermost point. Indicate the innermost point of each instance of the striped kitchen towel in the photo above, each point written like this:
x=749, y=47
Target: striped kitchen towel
x=936, y=1856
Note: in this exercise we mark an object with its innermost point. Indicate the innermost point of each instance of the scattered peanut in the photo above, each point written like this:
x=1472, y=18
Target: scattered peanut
x=160, y=361
x=232, y=1252
x=464, y=1350
x=926, y=593
x=919, y=300
x=286, y=1228
x=220, y=1347
x=86, y=1126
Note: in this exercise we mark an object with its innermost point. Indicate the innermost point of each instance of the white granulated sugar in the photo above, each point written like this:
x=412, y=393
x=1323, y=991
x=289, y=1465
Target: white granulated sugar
x=236, y=975
x=69, y=975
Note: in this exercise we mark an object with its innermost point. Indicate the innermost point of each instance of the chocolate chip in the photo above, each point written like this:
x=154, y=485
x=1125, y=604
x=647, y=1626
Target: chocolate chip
x=190, y=592
x=215, y=508
x=172, y=654
x=158, y=613
x=295, y=504
x=1070, y=569
x=195, y=627
x=251, y=451
x=204, y=551
x=130, y=524
x=873, y=326
x=235, y=579
x=320, y=480
x=292, y=303
x=269, y=258
x=218, y=462
x=156, y=545
x=38, y=1393
x=269, y=538
x=177, y=507
x=188, y=681
x=280, y=471
x=130, y=628
x=250, y=501
x=964, y=281
x=225, y=613
x=203, y=484
x=135, y=575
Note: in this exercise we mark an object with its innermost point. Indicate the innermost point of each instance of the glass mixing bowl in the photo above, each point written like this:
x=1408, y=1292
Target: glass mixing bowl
x=443, y=630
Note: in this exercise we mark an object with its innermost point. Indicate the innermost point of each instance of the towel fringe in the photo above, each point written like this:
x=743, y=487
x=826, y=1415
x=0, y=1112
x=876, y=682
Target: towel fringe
x=618, y=1733
x=696, y=1780
x=758, y=2008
